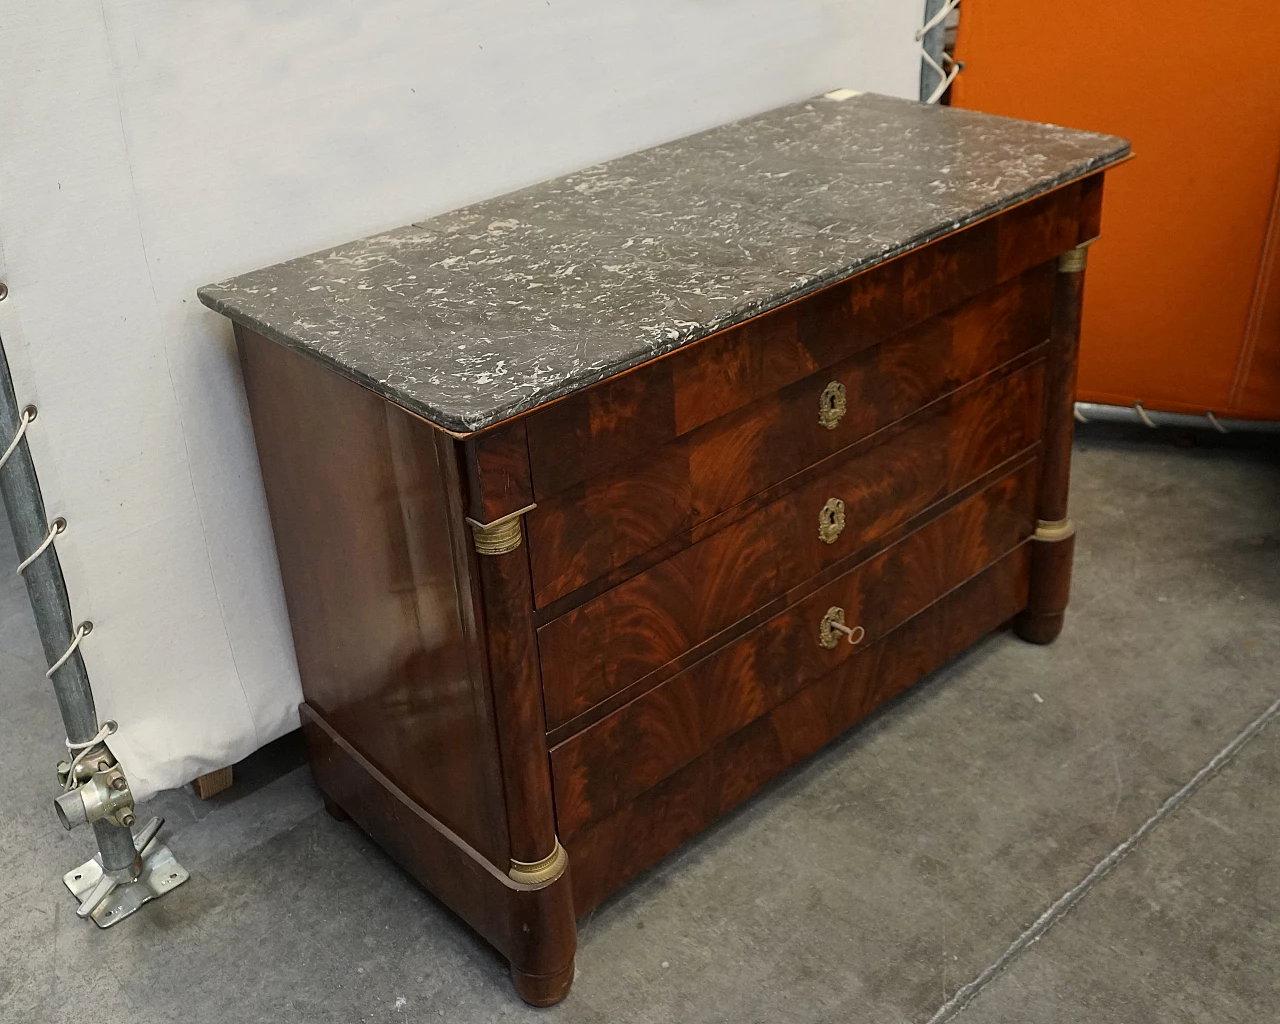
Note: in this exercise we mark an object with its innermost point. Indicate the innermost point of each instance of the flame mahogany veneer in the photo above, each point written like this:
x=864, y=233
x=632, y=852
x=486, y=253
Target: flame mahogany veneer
x=647, y=653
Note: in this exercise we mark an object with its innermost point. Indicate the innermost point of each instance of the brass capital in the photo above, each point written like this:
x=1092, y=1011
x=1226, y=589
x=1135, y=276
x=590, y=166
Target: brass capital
x=1073, y=260
x=1058, y=529
x=548, y=869
x=501, y=535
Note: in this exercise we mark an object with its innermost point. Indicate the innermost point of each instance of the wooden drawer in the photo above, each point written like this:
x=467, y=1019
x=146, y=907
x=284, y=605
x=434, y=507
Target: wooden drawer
x=597, y=526
x=667, y=726
x=614, y=848
x=620, y=638
x=632, y=413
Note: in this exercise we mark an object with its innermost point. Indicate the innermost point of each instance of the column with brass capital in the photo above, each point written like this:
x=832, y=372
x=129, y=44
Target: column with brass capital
x=1053, y=544
x=543, y=971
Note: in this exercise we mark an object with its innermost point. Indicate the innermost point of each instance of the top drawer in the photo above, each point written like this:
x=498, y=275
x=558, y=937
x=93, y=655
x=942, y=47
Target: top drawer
x=618, y=514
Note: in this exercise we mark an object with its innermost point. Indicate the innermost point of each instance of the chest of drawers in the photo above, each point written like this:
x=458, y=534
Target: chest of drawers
x=600, y=504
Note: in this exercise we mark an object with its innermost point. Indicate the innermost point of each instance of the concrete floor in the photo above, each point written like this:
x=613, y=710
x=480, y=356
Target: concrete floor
x=958, y=855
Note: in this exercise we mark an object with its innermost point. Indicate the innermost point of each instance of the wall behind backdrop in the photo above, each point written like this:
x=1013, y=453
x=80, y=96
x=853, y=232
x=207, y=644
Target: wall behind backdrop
x=151, y=146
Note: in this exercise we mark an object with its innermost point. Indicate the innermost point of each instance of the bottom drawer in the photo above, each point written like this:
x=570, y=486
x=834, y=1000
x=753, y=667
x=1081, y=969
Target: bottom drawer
x=608, y=852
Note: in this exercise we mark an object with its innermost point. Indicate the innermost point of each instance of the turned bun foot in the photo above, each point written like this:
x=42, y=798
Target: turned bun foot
x=542, y=989
x=335, y=812
x=1039, y=627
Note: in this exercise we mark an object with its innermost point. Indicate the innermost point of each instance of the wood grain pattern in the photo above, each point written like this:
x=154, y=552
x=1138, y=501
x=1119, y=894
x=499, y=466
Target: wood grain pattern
x=637, y=627
x=368, y=526
x=497, y=471
x=609, y=852
x=617, y=515
x=669, y=725
x=649, y=657
x=632, y=412
x=532, y=926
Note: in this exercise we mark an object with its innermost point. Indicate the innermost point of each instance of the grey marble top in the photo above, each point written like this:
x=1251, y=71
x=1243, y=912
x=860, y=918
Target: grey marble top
x=471, y=317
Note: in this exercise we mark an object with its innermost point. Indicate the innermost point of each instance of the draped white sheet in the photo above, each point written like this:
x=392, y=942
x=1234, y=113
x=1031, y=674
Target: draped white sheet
x=150, y=146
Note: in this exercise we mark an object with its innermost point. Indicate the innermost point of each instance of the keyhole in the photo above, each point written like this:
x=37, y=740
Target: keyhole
x=831, y=405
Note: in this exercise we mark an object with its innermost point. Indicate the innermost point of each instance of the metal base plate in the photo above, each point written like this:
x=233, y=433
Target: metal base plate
x=160, y=874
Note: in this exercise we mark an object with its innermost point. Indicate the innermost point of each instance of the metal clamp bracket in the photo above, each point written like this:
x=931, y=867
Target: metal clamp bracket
x=108, y=897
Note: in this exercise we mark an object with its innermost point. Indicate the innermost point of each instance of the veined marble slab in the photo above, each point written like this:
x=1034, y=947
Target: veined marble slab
x=474, y=316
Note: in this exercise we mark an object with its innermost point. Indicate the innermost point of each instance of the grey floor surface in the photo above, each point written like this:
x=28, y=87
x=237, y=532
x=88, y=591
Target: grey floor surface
x=956, y=856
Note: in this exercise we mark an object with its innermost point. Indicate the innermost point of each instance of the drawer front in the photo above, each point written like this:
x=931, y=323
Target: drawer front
x=597, y=526
x=613, y=849
x=633, y=412
x=604, y=766
x=617, y=639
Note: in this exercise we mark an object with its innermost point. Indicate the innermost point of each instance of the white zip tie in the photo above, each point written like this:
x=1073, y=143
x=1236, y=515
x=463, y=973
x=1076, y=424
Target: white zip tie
x=82, y=630
x=1213, y=421
x=55, y=528
x=1142, y=415
x=28, y=414
x=1080, y=417
x=83, y=749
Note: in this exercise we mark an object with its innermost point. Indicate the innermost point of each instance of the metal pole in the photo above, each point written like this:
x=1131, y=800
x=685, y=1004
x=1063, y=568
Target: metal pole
x=48, y=593
x=1089, y=412
x=932, y=43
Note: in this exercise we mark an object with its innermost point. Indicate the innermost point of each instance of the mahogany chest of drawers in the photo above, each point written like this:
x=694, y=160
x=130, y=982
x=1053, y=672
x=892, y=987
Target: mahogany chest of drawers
x=599, y=504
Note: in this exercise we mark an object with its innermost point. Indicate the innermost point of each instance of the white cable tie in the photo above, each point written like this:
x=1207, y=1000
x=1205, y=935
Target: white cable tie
x=28, y=414
x=945, y=84
x=55, y=528
x=83, y=749
x=1080, y=417
x=1142, y=415
x=82, y=630
x=1213, y=421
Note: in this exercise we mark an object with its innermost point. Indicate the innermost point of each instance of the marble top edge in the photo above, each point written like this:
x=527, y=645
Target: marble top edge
x=720, y=241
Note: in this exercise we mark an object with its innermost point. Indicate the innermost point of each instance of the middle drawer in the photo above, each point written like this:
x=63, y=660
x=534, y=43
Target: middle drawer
x=630, y=632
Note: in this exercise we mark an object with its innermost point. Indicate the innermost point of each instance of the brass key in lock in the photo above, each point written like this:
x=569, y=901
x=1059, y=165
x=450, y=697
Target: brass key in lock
x=833, y=626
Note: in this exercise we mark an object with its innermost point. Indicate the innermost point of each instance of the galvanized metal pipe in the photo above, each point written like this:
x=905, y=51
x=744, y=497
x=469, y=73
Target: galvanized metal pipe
x=48, y=593
x=932, y=42
x=1090, y=412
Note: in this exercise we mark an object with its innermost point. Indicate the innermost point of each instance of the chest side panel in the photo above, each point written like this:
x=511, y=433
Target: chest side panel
x=365, y=507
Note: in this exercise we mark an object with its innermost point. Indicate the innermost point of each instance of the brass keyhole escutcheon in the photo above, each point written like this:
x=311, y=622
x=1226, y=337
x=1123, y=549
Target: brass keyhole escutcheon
x=831, y=521
x=833, y=627
x=832, y=405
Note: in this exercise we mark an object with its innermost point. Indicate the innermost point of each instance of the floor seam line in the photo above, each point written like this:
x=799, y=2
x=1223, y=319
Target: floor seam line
x=1060, y=907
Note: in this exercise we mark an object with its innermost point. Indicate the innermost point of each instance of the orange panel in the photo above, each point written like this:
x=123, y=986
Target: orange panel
x=1182, y=311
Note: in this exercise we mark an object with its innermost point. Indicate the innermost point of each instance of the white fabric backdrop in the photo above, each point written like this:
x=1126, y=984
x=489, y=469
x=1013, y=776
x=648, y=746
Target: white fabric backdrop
x=151, y=146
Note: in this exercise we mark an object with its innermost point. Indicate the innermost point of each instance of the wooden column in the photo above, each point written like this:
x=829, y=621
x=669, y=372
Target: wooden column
x=1054, y=542
x=500, y=493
